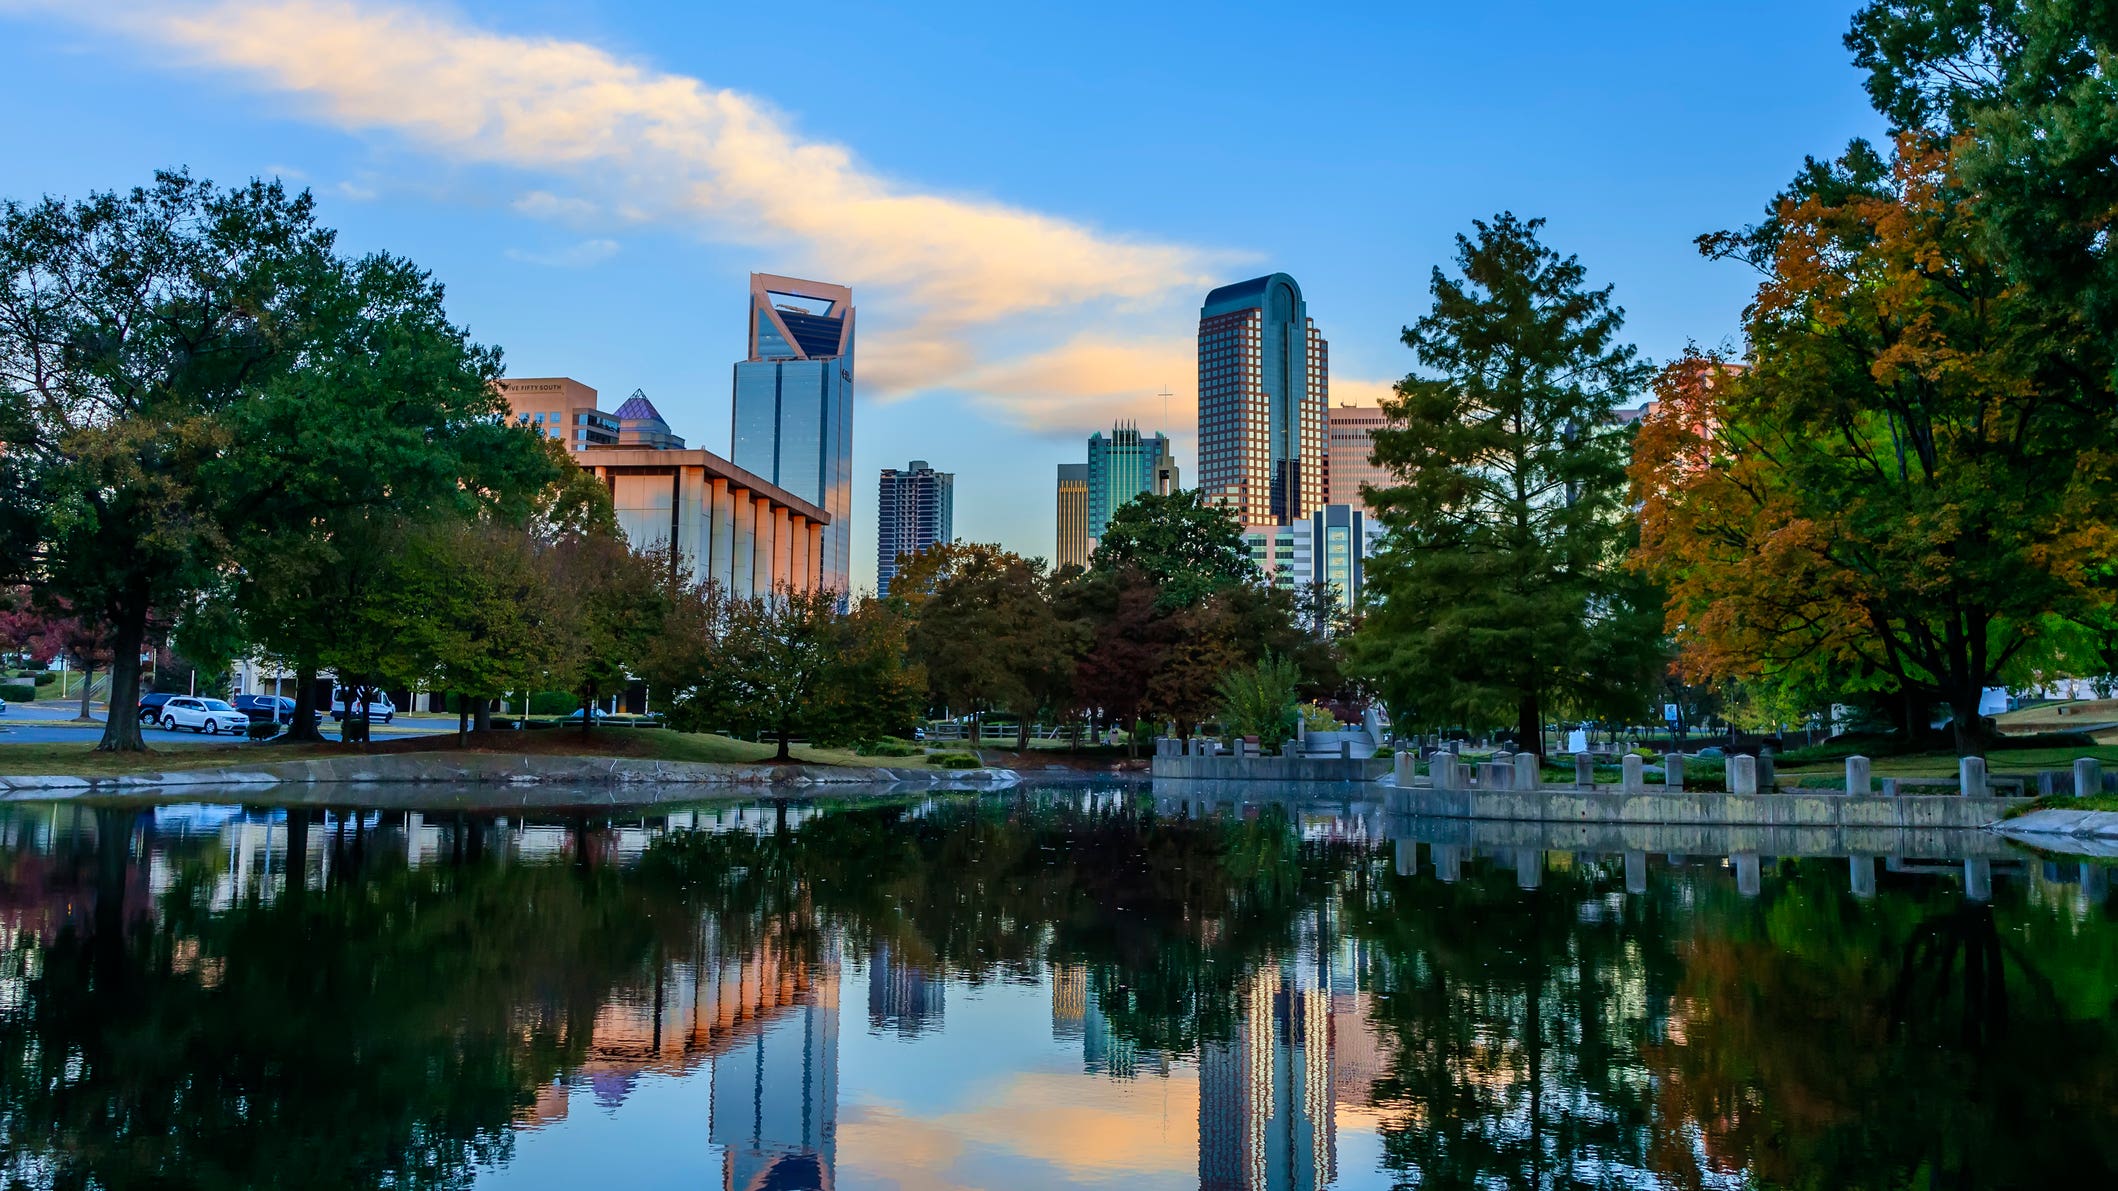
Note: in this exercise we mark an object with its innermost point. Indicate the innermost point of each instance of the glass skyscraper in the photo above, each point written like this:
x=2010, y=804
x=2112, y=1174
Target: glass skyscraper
x=916, y=508
x=794, y=403
x=1122, y=466
x=1263, y=392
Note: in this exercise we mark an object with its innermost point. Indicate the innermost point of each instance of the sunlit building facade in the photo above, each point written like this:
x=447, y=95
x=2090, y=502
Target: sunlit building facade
x=1122, y=465
x=1263, y=391
x=1351, y=433
x=793, y=407
x=1073, y=545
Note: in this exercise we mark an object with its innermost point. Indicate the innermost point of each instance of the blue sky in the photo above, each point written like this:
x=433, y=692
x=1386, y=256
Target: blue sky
x=1030, y=201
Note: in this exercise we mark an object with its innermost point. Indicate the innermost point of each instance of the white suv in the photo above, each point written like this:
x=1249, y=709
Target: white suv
x=380, y=709
x=211, y=716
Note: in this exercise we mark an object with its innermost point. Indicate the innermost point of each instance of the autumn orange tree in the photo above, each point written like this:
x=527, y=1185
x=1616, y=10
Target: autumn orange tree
x=1909, y=487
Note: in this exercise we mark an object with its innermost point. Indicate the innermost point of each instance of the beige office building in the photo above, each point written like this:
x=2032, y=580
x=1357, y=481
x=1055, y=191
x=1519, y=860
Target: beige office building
x=1073, y=516
x=1349, y=433
x=727, y=524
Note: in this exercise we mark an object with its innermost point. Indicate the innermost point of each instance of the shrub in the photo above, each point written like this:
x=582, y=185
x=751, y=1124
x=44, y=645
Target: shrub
x=554, y=703
x=886, y=748
x=44, y=678
x=956, y=760
x=17, y=692
x=264, y=731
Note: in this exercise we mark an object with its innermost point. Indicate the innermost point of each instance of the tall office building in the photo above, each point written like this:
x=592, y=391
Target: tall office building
x=1351, y=432
x=1122, y=466
x=793, y=423
x=1331, y=545
x=917, y=509
x=1263, y=390
x=1073, y=516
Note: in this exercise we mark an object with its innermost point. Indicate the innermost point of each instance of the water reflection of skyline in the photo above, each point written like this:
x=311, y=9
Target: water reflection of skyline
x=751, y=1009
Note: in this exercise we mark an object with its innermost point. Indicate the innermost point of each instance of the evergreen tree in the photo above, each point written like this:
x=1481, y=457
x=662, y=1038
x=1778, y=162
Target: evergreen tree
x=1497, y=581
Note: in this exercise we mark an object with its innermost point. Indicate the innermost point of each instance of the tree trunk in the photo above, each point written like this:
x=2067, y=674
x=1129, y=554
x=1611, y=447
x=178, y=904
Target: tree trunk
x=783, y=754
x=121, y=728
x=1529, y=726
x=463, y=719
x=1970, y=730
x=482, y=715
x=88, y=684
x=307, y=727
x=588, y=708
x=1022, y=734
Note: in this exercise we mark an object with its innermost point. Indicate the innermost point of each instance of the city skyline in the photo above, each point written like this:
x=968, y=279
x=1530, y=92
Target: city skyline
x=591, y=186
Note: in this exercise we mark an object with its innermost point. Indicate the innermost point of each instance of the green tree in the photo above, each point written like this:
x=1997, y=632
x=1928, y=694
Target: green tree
x=983, y=626
x=132, y=324
x=481, y=615
x=1260, y=701
x=1505, y=516
x=1187, y=548
x=614, y=599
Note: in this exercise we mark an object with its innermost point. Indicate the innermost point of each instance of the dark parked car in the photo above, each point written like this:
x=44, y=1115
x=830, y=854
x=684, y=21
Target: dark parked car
x=151, y=706
x=272, y=709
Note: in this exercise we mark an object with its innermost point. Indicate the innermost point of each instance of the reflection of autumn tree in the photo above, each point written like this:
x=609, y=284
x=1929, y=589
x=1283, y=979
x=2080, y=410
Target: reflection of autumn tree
x=1518, y=1018
x=1817, y=1040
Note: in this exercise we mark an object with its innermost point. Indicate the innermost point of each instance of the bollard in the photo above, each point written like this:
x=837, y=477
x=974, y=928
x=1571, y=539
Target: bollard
x=1743, y=775
x=1863, y=875
x=1636, y=872
x=1971, y=777
x=1408, y=858
x=1978, y=880
x=1767, y=780
x=1584, y=772
x=1406, y=768
x=1673, y=772
x=1889, y=786
x=1857, y=775
x=2088, y=777
x=1631, y=768
x=1528, y=773
x=1748, y=879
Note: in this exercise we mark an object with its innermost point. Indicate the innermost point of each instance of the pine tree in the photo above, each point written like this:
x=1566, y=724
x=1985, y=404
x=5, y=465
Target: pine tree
x=1497, y=586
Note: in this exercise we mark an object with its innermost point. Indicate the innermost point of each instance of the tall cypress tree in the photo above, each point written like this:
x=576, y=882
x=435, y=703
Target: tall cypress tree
x=1497, y=586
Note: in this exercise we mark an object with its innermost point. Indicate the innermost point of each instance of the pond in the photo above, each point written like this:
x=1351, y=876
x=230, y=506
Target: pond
x=1041, y=988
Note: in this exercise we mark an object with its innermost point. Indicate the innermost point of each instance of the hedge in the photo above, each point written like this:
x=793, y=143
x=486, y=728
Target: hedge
x=17, y=692
x=44, y=678
x=955, y=760
x=554, y=703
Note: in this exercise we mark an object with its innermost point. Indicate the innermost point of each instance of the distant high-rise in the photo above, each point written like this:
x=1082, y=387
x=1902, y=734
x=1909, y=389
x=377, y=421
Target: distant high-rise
x=1073, y=516
x=1263, y=390
x=1122, y=466
x=793, y=422
x=917, y=509
x=1352, y=437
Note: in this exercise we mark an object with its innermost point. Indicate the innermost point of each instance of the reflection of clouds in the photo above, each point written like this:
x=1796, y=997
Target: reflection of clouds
x=1080, y=1128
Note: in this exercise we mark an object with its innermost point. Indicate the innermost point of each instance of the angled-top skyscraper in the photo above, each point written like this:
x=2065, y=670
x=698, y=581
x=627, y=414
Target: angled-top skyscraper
x=1262, y=401
x=794, y=403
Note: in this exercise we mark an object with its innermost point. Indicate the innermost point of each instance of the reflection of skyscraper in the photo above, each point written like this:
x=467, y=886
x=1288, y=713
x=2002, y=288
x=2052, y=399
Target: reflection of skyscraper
x=794, y=403
x=1069, y=1000
x=900, y=996
x=1267, y=1118
x=775, y=1098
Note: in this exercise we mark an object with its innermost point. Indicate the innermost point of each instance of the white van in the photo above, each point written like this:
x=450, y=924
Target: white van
x=380, y=709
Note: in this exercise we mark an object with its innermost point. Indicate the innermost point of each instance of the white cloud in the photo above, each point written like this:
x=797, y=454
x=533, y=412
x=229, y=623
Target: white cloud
x=934, y=273
x=573, y=256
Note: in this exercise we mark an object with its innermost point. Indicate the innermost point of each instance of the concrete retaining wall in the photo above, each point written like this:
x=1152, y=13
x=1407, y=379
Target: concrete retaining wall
x=503, y=769
x=1269, y=769
x=1702, y=839
x=1783, y=809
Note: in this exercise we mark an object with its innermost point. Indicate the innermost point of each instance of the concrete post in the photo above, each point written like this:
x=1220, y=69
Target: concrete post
x=1673, y=772
x=1971, y=776
x=1742, y=775
x=1632, y=767
x=1408, y=858
x=1584, y=772
x=1529, y=868
x=1888, y=786
x=1448, y=862
x=1857, y=775
x=1406, y=767
x=1748, y=876
x=1978, y=880
x=1767, y=781
x=1345, y=750
x=1528, y=774
x=2088, y=777
x=1636, y=872
x=1863, y=875
x=1493, y=776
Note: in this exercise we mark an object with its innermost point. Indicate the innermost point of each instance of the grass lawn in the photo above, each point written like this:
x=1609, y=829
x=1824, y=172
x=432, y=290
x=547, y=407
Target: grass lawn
x=1943, y=764
x=658, y=744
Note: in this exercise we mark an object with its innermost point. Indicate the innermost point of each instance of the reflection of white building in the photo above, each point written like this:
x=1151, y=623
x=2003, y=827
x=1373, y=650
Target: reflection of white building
x=901, y=996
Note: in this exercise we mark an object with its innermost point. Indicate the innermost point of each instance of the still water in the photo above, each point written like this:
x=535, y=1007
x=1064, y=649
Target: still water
x=1036, y=989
